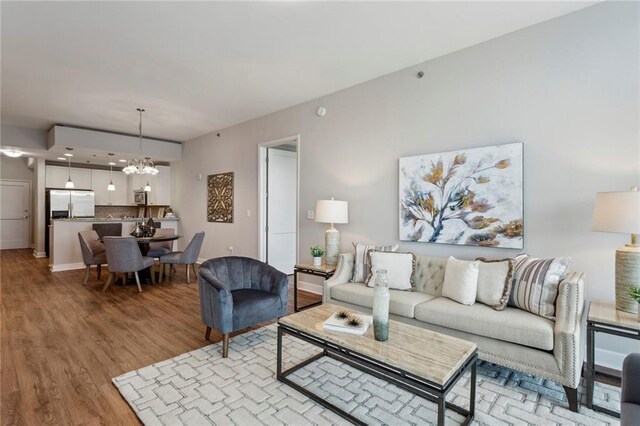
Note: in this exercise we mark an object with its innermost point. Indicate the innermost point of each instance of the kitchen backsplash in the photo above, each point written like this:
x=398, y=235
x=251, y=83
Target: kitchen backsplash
x=129, y=211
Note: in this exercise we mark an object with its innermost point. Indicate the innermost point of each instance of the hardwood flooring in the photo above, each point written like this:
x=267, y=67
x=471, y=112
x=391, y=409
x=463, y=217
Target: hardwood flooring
x=61, y=343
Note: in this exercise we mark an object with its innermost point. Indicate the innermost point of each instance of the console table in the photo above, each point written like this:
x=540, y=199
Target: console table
x=324, y=271
x=603, y=317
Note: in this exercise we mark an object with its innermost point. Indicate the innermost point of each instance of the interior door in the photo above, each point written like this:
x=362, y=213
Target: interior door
x=281, y=209
x=15, y=215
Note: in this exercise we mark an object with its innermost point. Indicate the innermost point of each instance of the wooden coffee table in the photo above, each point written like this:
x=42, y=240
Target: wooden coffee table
x=423, y=362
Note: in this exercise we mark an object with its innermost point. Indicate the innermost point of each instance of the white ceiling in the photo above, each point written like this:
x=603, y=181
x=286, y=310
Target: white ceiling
x=201, y=66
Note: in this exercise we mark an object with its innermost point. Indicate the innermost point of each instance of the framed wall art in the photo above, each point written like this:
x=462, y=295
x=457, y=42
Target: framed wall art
x=468, y=197
x=220, y=198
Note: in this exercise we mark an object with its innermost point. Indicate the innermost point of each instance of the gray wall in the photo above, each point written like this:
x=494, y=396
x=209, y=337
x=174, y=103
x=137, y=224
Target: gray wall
x=568, y=88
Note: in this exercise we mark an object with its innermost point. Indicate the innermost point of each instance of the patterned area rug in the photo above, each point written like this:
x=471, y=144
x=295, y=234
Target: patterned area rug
x=202, y=388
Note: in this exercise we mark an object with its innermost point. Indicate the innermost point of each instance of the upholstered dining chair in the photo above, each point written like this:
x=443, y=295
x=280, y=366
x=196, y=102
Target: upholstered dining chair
x=238, y=292
x=156, y=250
x=188, y=257
x=123, y=255
x=93, y=252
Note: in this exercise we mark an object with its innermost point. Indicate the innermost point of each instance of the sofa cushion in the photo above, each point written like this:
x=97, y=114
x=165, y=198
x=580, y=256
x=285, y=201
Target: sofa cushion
x=429, y=274
x=511, y=325
x=461, y=280
x=399, y=267
x=400, y=302
x=361, y=264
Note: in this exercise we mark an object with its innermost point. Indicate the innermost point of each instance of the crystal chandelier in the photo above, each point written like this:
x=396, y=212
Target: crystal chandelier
x=140, y=165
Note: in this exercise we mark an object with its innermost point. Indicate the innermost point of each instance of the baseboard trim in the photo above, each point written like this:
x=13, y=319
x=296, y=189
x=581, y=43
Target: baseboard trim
x=310, y=287
x=200, y=261
x=609, y=359
x=39, y=254
x=67, y=267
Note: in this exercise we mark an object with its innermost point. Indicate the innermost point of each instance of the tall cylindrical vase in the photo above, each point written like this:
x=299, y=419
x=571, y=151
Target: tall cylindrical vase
x=381, y=306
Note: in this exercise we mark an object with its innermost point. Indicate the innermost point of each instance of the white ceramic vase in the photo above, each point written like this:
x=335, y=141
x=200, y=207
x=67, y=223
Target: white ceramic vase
x=381, y=306
x=317, y=261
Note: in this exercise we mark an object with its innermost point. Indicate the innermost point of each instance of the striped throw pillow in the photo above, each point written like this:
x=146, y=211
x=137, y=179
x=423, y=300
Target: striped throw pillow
x=535, y=284
x=361, y=265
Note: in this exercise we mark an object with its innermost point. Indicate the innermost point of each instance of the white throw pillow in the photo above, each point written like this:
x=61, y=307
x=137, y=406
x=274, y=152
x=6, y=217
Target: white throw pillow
x=461, y=280
x=494, y=282
x=399, y=268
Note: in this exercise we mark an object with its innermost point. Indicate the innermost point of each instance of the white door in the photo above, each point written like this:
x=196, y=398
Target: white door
x=15, y=215
x=281, y=209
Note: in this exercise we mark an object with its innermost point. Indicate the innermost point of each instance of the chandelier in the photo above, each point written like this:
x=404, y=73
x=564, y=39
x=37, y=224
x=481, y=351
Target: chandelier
x=140, y=165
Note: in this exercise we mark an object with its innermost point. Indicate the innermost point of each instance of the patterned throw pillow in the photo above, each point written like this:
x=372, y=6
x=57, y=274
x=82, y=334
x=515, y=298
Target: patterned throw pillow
x=361, y=266
x=535, y=284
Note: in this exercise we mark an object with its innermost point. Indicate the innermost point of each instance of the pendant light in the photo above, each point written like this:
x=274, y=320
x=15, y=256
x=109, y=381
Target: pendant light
x=111, y=186
x=69, y=184
x=140, y=165
x=147, y=187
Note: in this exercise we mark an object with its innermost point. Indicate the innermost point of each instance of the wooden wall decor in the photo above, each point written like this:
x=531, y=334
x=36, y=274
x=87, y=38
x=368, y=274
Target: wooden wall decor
x=220, y=198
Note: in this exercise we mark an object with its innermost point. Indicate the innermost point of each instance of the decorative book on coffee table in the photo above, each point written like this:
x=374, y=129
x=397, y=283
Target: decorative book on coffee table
x=353, y=323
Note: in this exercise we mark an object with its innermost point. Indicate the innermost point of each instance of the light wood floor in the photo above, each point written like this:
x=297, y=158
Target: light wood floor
x=61, y=343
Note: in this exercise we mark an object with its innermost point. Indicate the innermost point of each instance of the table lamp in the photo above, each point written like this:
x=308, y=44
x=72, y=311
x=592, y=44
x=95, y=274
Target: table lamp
x=620, y=212
x=332, y=211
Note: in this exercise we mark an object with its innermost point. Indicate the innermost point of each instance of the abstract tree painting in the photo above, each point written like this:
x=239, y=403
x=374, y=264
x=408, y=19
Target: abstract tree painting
x=467, y=197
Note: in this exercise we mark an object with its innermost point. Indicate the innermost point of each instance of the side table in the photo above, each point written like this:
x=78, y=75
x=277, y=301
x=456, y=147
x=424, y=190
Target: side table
x=603, y=317
x=324, y=271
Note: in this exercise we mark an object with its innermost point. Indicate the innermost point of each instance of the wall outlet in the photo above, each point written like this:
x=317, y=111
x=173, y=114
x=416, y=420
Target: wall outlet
x=311, y=214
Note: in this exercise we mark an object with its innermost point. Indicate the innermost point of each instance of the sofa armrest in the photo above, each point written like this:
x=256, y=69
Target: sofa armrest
x=567, y=348
x=216, y=303
x=343, y=274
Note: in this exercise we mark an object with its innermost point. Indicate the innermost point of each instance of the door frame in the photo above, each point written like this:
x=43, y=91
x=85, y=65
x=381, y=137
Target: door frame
x=262, y=191
x=30, y=238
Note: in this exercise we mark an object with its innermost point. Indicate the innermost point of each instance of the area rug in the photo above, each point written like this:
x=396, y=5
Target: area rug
x=202, y=388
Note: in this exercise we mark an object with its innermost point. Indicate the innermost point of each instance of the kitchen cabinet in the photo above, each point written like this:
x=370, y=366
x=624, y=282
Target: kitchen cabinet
x=100, y=180
x=138, y=182
x=57, y=176
x=163, y=192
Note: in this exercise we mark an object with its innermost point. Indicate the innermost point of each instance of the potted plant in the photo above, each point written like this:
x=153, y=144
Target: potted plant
x=634, y=292
x=317, y=253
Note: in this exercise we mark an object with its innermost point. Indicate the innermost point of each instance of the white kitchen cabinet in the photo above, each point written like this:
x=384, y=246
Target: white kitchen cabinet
x=100, y=181
x=163, y=192
x=138, y=182
x=57, y=176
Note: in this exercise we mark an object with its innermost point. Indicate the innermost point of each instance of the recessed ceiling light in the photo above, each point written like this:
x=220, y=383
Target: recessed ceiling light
x=62, y=159
x=111, y=163
x=13, y=153
x=68, y=154
x=122, y=161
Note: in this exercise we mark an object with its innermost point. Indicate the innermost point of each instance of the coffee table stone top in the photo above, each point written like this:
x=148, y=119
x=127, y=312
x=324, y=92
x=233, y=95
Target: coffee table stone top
x=432, y=356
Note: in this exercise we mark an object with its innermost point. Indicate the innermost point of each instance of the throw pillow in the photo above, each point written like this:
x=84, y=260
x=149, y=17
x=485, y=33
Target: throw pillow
x=399, y=266
x=96, y=247
x=461, y=280
x=361, y=262
x=535, y=284
x=494, y=282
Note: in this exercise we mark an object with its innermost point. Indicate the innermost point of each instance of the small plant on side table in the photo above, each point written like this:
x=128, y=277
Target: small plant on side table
x=317, y=252
x=634, y=292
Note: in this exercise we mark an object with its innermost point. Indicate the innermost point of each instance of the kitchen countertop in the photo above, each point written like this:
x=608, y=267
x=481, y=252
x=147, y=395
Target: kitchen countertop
x=116, y=219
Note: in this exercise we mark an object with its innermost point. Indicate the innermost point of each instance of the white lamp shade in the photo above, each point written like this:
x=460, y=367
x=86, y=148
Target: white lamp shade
x=617, y=212
x=111, y=186
x=69, y=184
x=332, y=211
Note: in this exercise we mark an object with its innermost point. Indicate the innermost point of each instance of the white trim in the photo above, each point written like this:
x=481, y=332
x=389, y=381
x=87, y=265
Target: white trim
x=610, y=359
x=67, y=267
x=39, y=254
x=262, y=189
x=310, y=287
x=201, y=260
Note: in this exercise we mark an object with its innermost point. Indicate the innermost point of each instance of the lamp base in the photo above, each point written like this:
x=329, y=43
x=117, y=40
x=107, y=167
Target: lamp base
x=627, y=276
x=332, y=245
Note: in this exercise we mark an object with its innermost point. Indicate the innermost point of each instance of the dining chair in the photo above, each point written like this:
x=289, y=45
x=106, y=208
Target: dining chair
x=238, y=292
x=160, y=249
x=93, y=252
x=188, y=257
x=123, y=255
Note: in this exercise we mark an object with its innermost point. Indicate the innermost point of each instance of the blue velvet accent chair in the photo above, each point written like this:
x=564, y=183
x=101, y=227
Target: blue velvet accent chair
x=238, y=292
x=630, y=398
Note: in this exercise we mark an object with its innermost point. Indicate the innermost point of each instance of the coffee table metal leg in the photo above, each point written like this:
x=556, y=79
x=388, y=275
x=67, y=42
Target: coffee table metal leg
x=295, y=291
x=279, y=355
x=590, y=365
x=441, y=410
x=472, y=401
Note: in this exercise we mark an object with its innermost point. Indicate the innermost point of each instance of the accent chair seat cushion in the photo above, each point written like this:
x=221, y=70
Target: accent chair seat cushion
x=253, y=306
x=400, y=302
x=510, y=325
x=629, y=413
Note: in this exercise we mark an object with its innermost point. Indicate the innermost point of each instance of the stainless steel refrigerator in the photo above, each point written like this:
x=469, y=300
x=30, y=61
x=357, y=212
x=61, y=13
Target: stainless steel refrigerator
x=63, y=203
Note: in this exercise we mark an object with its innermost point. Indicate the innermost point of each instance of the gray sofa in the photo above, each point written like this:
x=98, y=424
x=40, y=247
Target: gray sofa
x=513, y=338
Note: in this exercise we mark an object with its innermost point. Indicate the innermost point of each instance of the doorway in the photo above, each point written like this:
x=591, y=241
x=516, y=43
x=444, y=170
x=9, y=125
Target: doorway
x=15, y=214
x=278, y=203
